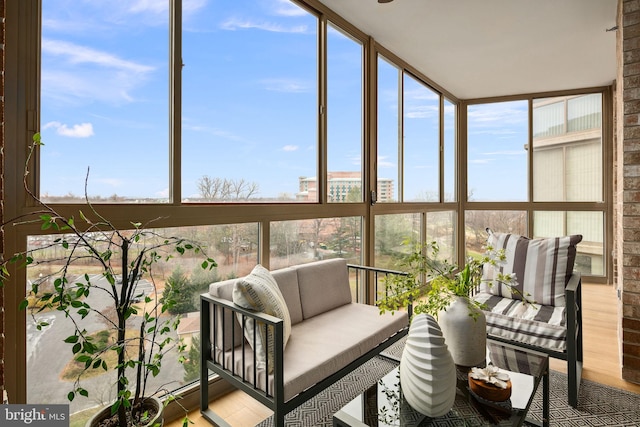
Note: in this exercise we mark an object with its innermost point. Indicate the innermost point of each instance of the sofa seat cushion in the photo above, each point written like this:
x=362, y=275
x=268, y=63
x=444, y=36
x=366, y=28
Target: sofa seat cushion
x=324, y=344
x=534, y=324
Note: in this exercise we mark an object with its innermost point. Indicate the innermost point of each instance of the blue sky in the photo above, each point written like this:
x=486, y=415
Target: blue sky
x=249, y=103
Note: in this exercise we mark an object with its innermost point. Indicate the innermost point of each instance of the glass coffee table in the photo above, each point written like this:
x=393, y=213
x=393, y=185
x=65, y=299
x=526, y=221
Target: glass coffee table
x=384, y=406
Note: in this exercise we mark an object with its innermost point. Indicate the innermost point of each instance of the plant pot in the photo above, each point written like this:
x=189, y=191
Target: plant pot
x=150, y=403
x=464, y=327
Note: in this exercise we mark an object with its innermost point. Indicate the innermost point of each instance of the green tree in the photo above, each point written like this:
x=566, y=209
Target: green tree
x=191, y=363
x=180, y=291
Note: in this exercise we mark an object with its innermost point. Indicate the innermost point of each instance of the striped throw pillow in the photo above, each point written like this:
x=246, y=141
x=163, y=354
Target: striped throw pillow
x=259, y=291
x=542, y=267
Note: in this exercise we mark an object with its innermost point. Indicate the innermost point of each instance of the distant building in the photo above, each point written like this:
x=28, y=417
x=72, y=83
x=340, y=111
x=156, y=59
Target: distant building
x=341, y=184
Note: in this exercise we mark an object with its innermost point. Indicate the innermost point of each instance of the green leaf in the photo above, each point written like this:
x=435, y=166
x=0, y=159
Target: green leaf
x=71, y=339
x=83, y=392
x=71, y=396
x=24, y=304
x=115, y=407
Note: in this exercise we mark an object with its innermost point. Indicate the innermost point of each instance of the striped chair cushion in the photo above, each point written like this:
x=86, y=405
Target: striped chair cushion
x=534, y=324
x=542, y=267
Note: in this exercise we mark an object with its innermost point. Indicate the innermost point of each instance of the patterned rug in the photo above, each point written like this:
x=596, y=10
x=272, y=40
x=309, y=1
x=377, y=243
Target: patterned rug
x=598, y=405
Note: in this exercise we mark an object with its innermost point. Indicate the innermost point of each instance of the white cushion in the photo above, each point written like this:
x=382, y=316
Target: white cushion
x=259, y=291
x=542, y=267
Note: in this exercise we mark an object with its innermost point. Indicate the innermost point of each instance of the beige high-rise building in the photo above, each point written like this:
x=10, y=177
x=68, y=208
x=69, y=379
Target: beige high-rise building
x=341, y=184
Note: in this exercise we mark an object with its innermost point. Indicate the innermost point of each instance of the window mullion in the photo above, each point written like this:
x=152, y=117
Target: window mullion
x=175, y=101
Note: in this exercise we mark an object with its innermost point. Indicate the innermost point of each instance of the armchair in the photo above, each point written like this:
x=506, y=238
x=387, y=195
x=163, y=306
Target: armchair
x=552, y=323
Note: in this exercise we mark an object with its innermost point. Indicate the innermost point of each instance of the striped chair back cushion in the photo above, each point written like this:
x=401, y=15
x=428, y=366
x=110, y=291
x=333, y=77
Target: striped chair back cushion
x=542, y=267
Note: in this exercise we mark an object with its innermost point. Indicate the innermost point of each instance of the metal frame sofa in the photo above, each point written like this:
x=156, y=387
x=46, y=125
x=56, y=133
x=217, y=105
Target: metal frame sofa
x=549, y=318
x=313, y=337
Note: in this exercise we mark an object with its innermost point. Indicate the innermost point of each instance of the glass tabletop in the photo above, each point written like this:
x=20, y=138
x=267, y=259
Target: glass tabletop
x=384, y=406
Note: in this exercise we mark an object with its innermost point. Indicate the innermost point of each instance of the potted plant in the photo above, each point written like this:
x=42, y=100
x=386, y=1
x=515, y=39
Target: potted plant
x=139, y=332
x=432, y=283
x=435, y=286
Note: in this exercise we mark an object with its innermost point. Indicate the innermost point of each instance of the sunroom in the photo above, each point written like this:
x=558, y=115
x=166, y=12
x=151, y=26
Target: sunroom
x=286, y=131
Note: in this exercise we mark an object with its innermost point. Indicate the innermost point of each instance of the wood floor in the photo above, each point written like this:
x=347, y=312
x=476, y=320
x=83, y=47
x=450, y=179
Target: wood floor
x=601, y=360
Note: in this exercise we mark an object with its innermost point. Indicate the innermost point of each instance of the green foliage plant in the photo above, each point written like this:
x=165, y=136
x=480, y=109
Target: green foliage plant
x=178, y=292
x=432, y=283
x=123, y=257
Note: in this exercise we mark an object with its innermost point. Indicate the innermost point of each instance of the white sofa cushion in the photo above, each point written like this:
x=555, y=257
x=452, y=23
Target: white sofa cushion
x=259, y=291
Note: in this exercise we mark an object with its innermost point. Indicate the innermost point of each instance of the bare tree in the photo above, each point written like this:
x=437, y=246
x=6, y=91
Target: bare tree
x=224, y=189
x=242, y=190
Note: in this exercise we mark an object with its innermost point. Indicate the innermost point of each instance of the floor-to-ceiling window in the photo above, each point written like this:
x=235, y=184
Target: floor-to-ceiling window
x=104, y=107
x=416, y=154
x=535, y=167
x=281, y=144
x=236, y=123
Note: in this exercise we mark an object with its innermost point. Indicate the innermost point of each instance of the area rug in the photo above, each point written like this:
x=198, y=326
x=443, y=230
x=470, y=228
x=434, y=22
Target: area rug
x=598, y=405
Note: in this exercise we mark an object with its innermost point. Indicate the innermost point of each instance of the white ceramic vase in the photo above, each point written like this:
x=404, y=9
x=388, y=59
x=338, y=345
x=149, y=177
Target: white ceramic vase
x=466, y=334
x=427, y=371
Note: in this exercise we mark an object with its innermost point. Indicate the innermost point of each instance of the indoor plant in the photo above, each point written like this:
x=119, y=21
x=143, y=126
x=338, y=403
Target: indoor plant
x=431, y=284
x=140, y=333
x=437, y=287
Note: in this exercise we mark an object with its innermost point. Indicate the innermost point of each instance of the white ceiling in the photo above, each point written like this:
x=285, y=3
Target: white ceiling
x=484, y=48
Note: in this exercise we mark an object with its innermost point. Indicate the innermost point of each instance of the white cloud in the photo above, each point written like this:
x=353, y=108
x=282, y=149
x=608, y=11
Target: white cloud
x=422, y=112
x=500, y=114
x=286, y=85
x=385, y=164
x=82, y=130
x=77, y=54
x=112, y=182
x=164, y=194
x=153, y=6
x=225, y=134
x=290, y=148
x=84, y=74
x=233, y=24
x=162, y=6
x=421, y=94
x=481, y=161
x=286, y=8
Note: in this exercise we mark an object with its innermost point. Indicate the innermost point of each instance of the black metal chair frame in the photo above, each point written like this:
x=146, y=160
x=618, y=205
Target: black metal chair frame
x=573, y=353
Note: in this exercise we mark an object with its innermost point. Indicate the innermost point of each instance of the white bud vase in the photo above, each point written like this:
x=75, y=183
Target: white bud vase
x=464, y=328
x=427, y=371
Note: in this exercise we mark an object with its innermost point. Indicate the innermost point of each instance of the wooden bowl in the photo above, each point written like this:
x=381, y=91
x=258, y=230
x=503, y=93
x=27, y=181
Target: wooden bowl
x=490, y=391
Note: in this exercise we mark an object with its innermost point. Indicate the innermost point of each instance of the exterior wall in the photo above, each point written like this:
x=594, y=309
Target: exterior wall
x=2, y=15
x=630, y=141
